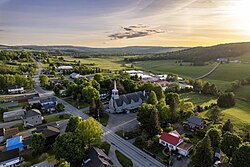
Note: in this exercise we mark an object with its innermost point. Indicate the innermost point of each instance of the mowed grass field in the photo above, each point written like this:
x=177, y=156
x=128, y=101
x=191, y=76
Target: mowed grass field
x=170, y=66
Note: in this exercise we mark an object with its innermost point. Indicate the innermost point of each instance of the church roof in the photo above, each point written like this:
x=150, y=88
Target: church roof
x=127, y=98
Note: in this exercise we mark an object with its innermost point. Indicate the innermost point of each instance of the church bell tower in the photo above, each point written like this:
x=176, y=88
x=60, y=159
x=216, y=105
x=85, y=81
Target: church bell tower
x=115, y=94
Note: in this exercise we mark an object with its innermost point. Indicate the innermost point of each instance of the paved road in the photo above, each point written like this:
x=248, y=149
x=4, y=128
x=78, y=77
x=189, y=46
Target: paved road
x=10, y=124
x=209, y=73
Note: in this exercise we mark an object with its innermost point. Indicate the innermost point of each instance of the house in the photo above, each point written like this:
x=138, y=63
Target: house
x=96, y=157
x=13, y=115
x=49, y=104
x=10, y=132
x=34, y=100
x=9, y=158
x=75, y=75
x=14, y=143
x=173, y=141
x=121, y=103
x=32, y=117
x=195, y=122
x=49, y=131
x=65, y=68
x=2, y=130
x=16, y=89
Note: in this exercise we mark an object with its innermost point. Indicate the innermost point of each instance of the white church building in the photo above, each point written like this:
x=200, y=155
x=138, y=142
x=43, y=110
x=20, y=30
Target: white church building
x=121, y=103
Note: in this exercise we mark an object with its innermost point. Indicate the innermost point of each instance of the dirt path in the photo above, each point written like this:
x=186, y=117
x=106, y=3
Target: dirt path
x=209, y=73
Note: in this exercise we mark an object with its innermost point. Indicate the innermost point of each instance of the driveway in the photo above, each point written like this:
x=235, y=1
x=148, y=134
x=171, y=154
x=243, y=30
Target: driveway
x=125, y=122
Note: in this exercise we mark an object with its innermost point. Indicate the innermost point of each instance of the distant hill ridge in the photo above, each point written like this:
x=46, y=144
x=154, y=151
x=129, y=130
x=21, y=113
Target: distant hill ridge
x=129, y=49
x=201, y=53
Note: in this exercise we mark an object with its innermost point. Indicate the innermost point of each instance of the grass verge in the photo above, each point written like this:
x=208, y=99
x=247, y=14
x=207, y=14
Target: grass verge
x=54, y=118
x=124, y=161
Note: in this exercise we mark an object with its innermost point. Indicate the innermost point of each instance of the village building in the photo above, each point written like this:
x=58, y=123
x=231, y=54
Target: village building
x=16, y=89
x=75, y=75
x=125, y=103
x=13, y=115
x=9, y=158
x=65, y=68
x=10, y=132
x=2, y=130
x=34, y=100
x=195, y=122
x=14, y=143
x=173, y=141
x=32, y=118
x=49, y=104
x=50, y=132
x=96, y=157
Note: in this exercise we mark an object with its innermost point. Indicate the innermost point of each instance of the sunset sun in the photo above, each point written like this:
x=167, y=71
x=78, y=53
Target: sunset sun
x=241, y=14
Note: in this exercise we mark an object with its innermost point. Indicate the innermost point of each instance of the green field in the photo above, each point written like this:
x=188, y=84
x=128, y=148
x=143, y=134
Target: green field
x=198, y=99
x=170, y=66
x=243, y=93
x=112, y=63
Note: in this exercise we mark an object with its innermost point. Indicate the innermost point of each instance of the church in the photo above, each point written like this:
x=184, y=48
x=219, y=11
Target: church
x=122, y=103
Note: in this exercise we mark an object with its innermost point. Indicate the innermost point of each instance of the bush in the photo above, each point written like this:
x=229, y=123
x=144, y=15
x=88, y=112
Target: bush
x=60, y=107
x=61, y=116
x=25, y=164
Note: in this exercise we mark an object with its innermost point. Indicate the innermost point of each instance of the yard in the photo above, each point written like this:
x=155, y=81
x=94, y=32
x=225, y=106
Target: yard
x=56, y=117
x=198, y=99
x=75, y=103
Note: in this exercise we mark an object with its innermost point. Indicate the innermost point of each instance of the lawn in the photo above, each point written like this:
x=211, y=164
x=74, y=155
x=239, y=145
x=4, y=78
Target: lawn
x=104, y=120
x=198, y=99
x=56, y=117
x=243, y=93
x=124, y=161
x=75, y=104
x=170, y=66
x=105, y=146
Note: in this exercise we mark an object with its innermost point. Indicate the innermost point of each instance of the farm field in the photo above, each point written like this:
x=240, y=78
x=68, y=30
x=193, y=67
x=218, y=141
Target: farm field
x=170, y=66
x=243, y=93
x=112, y=63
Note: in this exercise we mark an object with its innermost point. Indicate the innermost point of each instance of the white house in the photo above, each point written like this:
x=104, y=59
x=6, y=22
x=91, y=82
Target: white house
x=16, y=89
x=173, y=141
x=121, y=103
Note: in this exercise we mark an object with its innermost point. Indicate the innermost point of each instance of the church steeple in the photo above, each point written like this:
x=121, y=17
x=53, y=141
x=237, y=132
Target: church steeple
x=115, y=94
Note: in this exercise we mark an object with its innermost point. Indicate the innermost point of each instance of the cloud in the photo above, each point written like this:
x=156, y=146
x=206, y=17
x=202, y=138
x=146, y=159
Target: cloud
x=1, y=30
x=135, y=31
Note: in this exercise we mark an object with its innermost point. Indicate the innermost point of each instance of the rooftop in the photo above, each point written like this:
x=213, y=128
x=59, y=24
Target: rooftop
x=171, y=137
x=185, y=146
x=19, y=112
x=10, y=132
x=8, y=155
x=32, y=112
x=13, y=143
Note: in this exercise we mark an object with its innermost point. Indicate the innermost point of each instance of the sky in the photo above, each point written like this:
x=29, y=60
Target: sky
x=117, y=23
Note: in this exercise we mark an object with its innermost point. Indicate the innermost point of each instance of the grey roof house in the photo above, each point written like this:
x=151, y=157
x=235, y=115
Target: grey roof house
x=32, y=117
x=96, y=157
x=13, y=115
x=195, y=122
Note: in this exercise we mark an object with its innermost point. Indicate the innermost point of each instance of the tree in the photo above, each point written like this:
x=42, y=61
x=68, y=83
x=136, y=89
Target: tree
x=73, y=123
x=96, y=108
x=38, y=142
x=241, y=156
x=44, y=80
x=228, y=126
x=173, y=87
x=90, y=93
x=215, y=137
x=152, y=99
x=198, y=85
x=172, y=77
x=64, y=163
x=154, y=123
x=203, y=155
x=56, y=90
x=98, y=77
x=230, y=143
x=158, y=91
x=143, y=115
x=226, y=100
x=173, y=100
x=90, y=131
x=164, y=113
x=69, y=147
x=95, y=84
x=215, y=114
x=60, y=107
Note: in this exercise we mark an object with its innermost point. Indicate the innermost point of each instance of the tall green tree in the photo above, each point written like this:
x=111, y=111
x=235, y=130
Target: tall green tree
x=230, y=143
x=73, y=123
x=164, y=113
x=38, y=142
x=152, y=99
x=226, y=100
x=154, y=123
x=241, y=157
x=215, y=137
x=90, y=93
x=143, y=115
x=69, y=146
x=64, y=163
x=215, y=114
x=203, y=155
x=98, y=77
x=44, y=79
x=228, y=126
x=90, y=131
x=173, y=100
